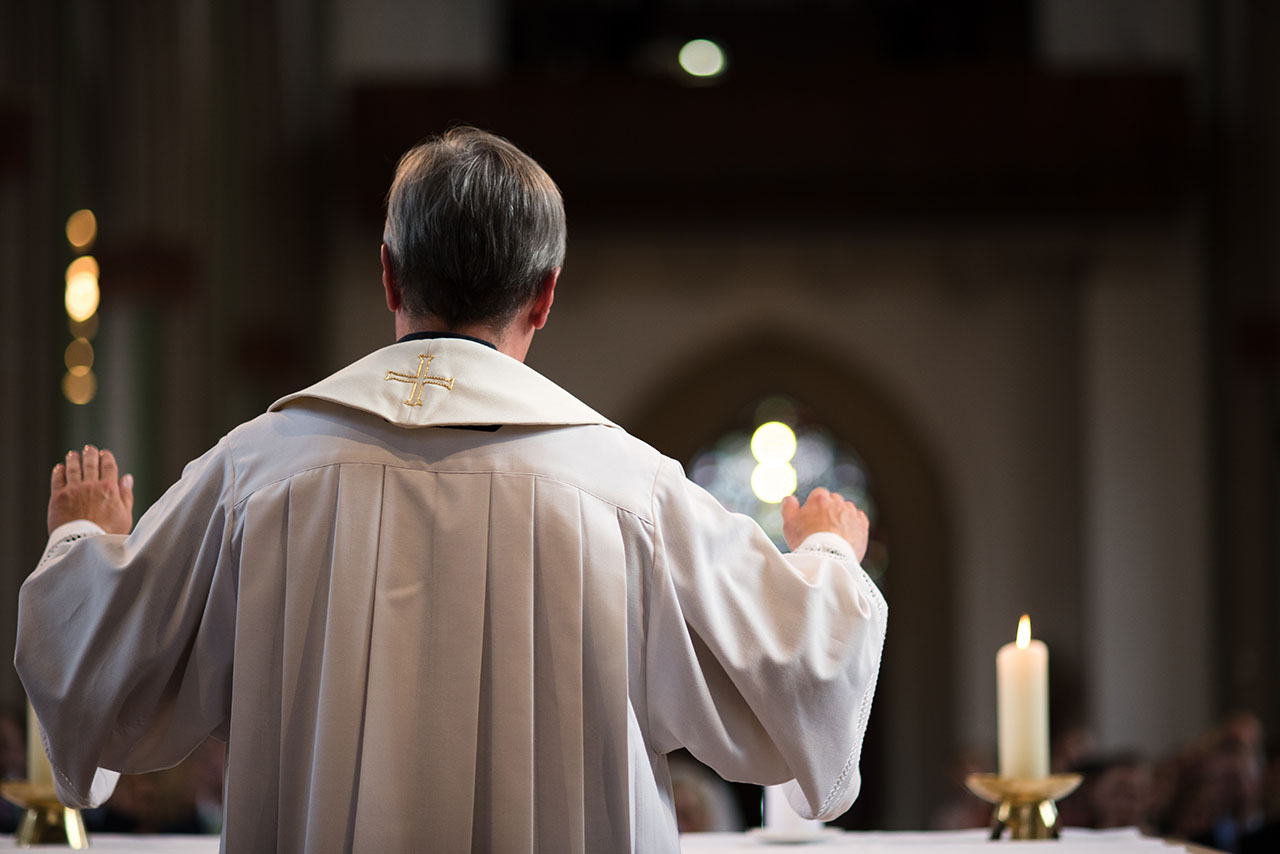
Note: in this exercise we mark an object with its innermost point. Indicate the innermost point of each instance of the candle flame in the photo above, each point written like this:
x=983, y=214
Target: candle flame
x=1024, y=632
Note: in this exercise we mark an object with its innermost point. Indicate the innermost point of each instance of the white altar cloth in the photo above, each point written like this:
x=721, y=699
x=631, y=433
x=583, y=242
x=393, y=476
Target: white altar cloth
x=185, y=844
x=1074, y=841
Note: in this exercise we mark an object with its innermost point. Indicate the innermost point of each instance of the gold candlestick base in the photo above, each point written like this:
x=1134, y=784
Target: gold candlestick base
x=46, y=820
x=1025, y=807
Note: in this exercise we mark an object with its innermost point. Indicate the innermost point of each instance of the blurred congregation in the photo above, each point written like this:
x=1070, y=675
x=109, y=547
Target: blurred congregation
x=1221, y=790
x=1025, y=251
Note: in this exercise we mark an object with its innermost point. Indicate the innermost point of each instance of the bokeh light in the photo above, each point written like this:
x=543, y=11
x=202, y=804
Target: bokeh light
x=702, y=58
x=773, y=442
x=85, y=265
x=82, y=229
x=79, y=357
x=777, y=407
x=82, y=288
x=86, y=328
x=801, y=456
x=79, y=389
x=773, y=481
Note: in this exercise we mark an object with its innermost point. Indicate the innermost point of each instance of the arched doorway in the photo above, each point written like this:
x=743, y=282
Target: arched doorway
x=910, y=738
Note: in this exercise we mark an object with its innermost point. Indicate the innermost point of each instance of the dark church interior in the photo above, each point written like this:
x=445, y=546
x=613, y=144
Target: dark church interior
x=1012, y=266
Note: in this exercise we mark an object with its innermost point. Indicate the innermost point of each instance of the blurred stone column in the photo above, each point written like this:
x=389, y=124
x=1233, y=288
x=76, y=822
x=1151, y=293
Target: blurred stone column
x=30, y=304
x=1243, y=183
x=1147, y=573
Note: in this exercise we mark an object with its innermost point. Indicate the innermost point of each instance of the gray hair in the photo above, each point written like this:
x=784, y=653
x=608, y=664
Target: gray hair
x=474, y=226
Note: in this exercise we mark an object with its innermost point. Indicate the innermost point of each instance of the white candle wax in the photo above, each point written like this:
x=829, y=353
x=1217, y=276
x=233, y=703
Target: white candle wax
x=38, y=768
x=780, y=817
x=1022, y=706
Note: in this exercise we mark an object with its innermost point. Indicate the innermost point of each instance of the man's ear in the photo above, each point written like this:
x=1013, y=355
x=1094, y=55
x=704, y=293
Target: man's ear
x=389, y=284
x=542, y=304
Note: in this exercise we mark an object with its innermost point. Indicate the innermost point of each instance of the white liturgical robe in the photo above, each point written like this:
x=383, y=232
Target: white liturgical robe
x=416, y=638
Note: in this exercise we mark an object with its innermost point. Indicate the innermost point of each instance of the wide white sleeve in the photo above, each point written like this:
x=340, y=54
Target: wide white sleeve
x=763, y=665
x=125, y=644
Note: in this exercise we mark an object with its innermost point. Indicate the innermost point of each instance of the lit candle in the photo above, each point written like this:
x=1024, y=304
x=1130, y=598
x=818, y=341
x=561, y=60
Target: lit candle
x=1022, y=706
x=38, y=768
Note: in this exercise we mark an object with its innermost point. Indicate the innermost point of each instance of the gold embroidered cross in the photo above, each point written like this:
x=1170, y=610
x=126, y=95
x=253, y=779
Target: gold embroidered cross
x=419, y=380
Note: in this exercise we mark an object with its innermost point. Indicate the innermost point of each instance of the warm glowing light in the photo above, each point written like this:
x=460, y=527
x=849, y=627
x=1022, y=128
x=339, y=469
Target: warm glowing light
x=82, y=229
x=79, y=389
x=84, y=265
x=82, y=297
x=84, y=328
x=702, y=58
x=79, y=356
x=1024, y=632
x=773, y=442
x=773, y=481
x=82, y=288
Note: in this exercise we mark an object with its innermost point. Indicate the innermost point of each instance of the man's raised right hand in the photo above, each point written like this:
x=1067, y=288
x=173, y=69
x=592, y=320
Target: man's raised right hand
x=827, y=512
x=87, y=485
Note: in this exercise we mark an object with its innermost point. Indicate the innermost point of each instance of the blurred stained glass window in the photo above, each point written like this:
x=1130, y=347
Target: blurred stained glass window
x=753, y=480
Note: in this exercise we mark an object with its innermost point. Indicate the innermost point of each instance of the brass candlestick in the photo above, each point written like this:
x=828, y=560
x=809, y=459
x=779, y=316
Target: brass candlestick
x=46, y=820
x=1026, y=807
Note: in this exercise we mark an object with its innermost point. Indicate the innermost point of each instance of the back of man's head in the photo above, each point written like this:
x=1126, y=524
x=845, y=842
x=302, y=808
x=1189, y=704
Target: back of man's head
x=474, y=226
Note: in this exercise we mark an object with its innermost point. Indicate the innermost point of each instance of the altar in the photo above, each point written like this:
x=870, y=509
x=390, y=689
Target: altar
x=1074, y=841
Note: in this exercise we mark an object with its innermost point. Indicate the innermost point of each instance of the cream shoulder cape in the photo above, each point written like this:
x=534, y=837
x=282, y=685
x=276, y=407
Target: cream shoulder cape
x=447, y=381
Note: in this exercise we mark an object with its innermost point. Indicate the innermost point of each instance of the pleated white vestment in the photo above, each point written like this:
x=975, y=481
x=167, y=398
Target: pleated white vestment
x=417, y=638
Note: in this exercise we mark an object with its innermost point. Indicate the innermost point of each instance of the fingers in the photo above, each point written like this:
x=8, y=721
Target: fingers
x=108, y=470
x=819, y=495
x=73, y=468
x=790, y=505
x=82, y=466
x=126, y=492
x=89, y=463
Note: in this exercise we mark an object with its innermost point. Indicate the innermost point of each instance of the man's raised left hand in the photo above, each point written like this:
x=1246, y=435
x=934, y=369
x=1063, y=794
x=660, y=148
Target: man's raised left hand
x=87, y=485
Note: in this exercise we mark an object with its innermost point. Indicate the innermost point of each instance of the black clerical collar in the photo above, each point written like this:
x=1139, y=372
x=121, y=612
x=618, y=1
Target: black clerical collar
x=427, y=336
